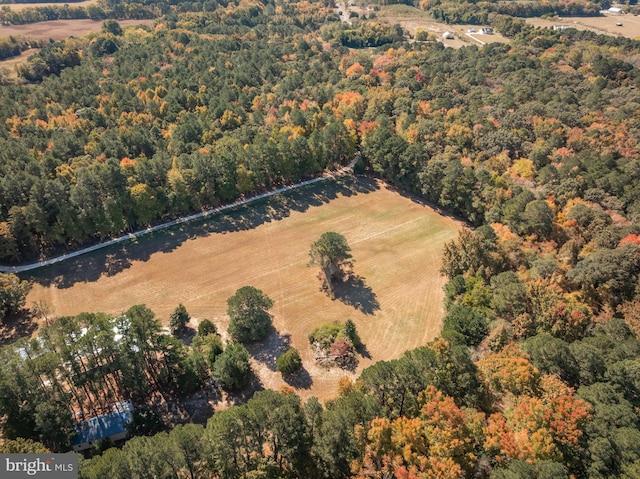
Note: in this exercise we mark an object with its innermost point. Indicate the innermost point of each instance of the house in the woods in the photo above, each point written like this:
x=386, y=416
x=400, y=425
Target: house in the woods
x=112, y=425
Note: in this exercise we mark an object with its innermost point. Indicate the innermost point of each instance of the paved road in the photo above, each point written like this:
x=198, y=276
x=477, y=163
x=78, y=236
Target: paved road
x=169, y=224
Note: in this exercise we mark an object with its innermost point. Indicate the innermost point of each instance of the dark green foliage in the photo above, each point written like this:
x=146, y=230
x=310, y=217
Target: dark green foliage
x=232, y=368
x=206, y=327
x=509, y=295
x=524, y=470
x=351, y=333
x=178, y=320
x=144, y=422
x=334, y=443
x=210, y=346
x=55, y=425
x=609, y=274
x=537, y=219
x=234, y=438
x=50, y=60
x=12, y=47
x=553, y=356
x=465, y=324
x=223, y=102
x=396, y=384
x=289, y=362
x=13, y=294
x=369, y=34
x=113, y=27
x=248, y=310
x=44, y=383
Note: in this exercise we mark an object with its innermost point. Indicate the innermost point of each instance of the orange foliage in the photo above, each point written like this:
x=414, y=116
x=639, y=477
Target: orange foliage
x=367, y=127
x=631, y=238
x=509, y=371
x=631, y=312
x=438, y=444
x=354, y=70
x=127, y=163
x=347, y=103
x=536, y=429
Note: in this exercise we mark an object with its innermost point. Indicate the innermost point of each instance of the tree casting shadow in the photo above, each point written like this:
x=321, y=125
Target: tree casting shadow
x=17, y=326
x=117, y=258
x=268, y=350
x=299, y=380
x=355, y=292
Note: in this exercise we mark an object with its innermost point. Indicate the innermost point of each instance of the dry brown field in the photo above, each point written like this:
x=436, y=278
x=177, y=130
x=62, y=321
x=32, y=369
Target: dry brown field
x=21, y=6
x=606, y=24
x=61, y=29
x=396, y=300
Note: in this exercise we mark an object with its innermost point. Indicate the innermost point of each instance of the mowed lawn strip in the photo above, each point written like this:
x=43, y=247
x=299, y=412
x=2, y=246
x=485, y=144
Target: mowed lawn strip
x=396, y=243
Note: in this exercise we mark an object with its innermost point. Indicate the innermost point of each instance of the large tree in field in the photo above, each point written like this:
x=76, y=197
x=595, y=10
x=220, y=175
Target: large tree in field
x=331, y=253
x=248, y=310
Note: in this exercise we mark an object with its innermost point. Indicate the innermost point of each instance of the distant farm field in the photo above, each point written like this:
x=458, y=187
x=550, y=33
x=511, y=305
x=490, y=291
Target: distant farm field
x=21, y=6
x=607, y=24
x=61, y=29
x=395, y=300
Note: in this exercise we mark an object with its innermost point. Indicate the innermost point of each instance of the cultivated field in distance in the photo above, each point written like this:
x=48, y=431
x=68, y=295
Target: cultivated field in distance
x=608, y=24
x=61, y=29
x=395, y=298
x=21, y=6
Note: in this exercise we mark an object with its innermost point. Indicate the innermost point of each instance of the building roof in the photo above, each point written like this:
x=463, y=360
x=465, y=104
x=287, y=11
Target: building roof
x=106, y=425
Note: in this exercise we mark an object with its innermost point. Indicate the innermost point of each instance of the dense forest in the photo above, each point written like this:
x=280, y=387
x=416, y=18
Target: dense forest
x=534, y=144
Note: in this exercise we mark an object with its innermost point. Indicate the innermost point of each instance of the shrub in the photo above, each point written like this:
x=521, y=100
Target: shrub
x=289, y=362
x=206, y=327
x=325, y=334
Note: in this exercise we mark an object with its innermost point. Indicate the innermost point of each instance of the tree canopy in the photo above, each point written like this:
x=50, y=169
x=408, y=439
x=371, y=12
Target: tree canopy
x=332, y=253
x=248, y=309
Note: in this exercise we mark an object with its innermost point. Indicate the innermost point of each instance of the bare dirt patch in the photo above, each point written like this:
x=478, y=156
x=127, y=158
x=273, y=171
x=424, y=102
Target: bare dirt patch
x=396, y=242
x=607, y=24
x=61, y=29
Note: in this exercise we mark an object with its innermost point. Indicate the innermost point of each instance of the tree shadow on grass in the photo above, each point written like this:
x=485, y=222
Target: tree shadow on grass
x=270, y=348
x=363, y=351
x=355, y=292
x=17, y=326
x=241, y=397
x=299, y=380
x=114, y=259
x=425, y=202
x=187, y=335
